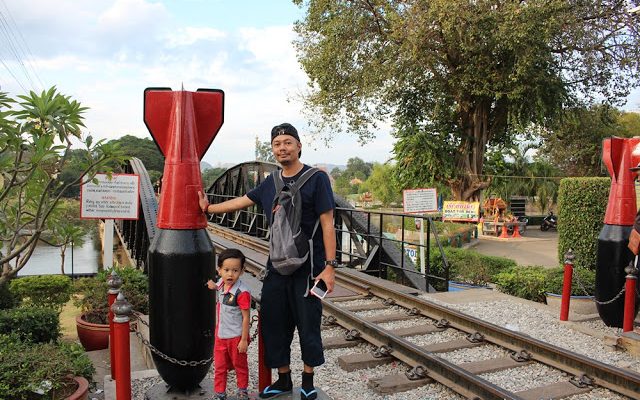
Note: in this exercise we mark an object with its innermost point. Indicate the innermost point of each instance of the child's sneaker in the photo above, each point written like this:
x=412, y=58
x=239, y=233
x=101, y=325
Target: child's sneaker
x=221, y=396
x=242, y=394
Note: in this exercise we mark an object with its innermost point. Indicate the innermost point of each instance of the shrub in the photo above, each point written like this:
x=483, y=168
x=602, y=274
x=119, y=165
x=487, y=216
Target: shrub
x=582, y=204
x=38, y=325
x=525, y=282
x=92, y=293
x=50, y=291
x=7, y=299
x=468, y=266
x=25, y=366
x=583, y=280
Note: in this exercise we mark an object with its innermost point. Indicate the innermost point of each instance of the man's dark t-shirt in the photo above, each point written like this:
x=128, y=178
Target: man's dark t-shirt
x=317, y=198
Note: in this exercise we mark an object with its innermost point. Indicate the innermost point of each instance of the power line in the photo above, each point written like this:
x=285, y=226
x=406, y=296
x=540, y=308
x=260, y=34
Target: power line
x=14, y=77
x=15, y=48
x=26, y=45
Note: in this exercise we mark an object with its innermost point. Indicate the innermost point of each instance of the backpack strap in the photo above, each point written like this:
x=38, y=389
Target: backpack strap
x=302, y=180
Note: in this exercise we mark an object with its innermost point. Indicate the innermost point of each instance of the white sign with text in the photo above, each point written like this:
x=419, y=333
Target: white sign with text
x=420, y=200
x=115, y=198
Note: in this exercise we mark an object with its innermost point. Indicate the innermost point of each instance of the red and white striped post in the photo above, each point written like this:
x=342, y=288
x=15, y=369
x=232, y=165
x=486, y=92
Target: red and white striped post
x=264, y=372
x=114, y=282
x=122, y=309
x=630, y=297
x=566, y=285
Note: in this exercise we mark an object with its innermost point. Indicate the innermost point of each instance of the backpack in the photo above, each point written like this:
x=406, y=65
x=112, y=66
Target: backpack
x=289, y=246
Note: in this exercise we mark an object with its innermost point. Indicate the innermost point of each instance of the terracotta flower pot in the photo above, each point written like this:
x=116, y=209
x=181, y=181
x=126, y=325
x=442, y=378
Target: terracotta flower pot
x=577, y=304
x=82, y=393
x=92, y=336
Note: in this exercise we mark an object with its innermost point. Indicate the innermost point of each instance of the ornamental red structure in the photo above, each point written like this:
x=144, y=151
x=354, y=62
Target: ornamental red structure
x=612, y=254
x=181, y=258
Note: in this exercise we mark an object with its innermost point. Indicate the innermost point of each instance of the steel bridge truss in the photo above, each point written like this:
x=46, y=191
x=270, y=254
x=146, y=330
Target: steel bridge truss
x=360, y=235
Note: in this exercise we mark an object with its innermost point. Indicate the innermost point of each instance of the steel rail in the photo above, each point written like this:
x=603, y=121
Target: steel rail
x=454, y=377
x=618, y=380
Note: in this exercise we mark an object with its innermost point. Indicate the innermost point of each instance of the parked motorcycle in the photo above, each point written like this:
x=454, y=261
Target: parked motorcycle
x=549, y=222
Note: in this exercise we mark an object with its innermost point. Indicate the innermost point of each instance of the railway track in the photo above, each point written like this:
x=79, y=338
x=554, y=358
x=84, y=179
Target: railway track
x=371, y=305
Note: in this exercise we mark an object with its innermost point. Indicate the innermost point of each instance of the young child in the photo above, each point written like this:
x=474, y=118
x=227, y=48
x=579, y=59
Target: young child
x=232, y=323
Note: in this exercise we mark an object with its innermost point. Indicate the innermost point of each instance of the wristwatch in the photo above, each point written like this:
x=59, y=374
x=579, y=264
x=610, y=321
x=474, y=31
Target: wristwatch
x=333, y=263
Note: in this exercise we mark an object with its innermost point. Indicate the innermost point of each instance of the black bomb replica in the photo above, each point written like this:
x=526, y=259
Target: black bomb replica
x=181, y=257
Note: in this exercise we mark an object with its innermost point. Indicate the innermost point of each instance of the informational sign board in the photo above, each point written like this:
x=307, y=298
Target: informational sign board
x=419, y=201
x=115, y=198
x=461, y=211
x=412, y=252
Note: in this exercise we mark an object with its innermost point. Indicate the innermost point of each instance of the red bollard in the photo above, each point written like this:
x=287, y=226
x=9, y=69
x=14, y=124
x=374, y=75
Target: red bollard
x=629, y=297
x=122, y=309
x=566, y=285
x=114, y=282
x=264, y=372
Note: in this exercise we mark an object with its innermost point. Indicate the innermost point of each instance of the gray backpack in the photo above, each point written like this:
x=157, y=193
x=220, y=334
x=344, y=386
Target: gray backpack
x=289, y=246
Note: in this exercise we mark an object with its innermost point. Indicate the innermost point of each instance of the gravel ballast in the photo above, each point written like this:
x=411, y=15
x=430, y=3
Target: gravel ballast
x=537, y=321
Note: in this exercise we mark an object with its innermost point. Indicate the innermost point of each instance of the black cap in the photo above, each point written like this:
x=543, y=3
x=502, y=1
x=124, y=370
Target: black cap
x=284, y=129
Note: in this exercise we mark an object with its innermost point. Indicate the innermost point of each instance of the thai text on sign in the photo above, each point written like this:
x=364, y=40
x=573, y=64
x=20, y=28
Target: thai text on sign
x=461, y=211
x=115, y=198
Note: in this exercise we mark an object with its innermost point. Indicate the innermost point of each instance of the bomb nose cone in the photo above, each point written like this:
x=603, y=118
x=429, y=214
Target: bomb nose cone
x=183, y=124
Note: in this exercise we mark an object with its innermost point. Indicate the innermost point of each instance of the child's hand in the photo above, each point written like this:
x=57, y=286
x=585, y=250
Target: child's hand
x=211, y=285
x=243, y=345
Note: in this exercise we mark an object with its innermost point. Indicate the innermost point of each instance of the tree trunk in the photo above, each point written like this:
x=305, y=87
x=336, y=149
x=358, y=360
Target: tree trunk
x=63, y=249
x=474, y=122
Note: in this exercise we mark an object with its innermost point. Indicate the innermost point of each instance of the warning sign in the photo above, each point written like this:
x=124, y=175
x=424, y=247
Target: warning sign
x=115, y=198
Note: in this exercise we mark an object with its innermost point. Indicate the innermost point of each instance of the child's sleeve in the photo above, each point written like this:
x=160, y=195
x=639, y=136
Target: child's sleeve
x=244, y=300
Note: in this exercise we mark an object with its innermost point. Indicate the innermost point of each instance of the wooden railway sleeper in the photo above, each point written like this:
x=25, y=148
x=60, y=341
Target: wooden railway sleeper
x=584, y=381
x=416, y=373
x=521, y=356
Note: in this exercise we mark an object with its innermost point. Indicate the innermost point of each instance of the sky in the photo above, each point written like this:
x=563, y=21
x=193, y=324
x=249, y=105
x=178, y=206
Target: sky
x=104, y=53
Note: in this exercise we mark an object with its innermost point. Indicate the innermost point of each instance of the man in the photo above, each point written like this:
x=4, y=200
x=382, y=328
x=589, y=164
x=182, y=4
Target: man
x=286, y=303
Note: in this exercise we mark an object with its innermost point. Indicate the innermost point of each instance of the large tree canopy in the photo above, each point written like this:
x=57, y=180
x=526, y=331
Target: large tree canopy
x=454, y=76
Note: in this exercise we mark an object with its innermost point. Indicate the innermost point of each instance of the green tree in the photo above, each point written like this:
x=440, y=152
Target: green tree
x=382, y=184
x=35, y=138
x=454, y=76
x=210, y=175
x=574, y=142
x=64, y=227
x=264, y=151
x=357, y=168
x=143, y=148
x=630, y=123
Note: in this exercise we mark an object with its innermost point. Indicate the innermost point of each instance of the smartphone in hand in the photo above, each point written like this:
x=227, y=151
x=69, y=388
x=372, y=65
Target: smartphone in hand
x=319, y=289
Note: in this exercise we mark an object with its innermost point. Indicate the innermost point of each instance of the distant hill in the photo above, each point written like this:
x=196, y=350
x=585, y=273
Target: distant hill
x=205, y=166
x=330, y=167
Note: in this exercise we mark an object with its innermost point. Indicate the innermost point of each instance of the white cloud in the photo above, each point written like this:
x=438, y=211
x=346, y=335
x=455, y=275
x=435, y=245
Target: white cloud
x=132, y=16
x=190, y=35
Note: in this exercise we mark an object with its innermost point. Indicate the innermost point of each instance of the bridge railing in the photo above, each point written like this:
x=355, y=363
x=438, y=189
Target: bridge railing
x=364, y=242
x=137, y=234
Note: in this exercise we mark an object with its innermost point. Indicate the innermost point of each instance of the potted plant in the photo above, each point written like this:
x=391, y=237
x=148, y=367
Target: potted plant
x=90, y=295
x=51, y=370
x=582, y=289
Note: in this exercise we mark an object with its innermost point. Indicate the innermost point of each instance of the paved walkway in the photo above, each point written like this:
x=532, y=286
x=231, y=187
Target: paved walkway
x=534, y=248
